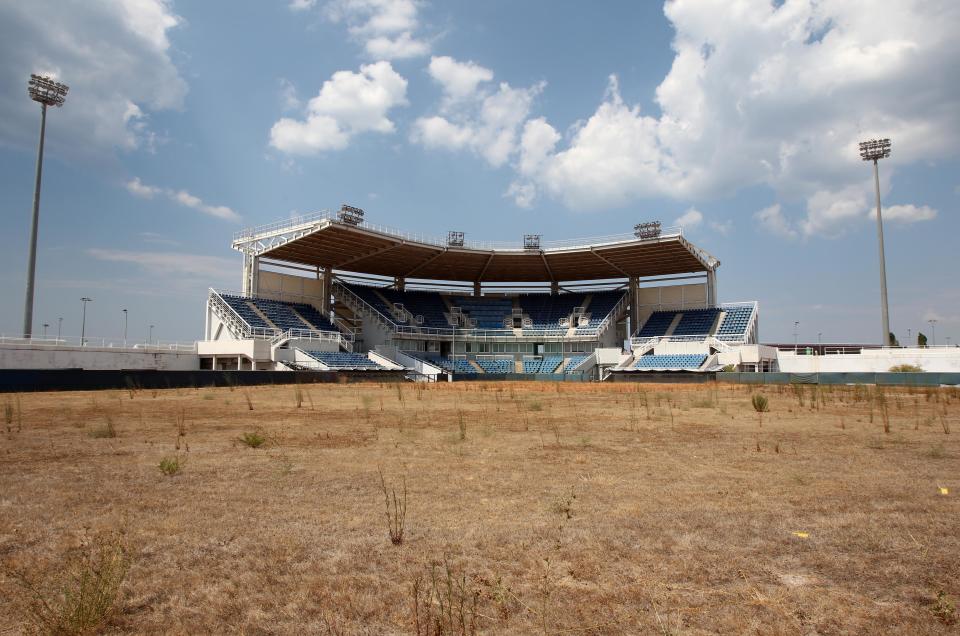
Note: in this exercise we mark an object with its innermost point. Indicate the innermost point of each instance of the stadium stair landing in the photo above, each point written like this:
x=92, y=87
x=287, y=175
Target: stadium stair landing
x=473, y=363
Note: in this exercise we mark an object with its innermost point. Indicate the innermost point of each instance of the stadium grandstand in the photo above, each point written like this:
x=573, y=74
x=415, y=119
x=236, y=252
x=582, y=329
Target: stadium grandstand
x=333, y=291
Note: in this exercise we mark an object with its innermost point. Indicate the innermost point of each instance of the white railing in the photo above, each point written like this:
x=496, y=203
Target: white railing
x=311, y=335
x=292, y=223
x=228, y=314
x=612, y=315
x=275, y=336
x=74, y=342
x=490, y=334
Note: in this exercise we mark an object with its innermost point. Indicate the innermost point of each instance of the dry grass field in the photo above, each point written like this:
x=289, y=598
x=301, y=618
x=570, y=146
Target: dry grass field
x=531, y=508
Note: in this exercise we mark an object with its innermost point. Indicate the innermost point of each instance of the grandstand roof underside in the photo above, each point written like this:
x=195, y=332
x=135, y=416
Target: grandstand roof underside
x=349, y=248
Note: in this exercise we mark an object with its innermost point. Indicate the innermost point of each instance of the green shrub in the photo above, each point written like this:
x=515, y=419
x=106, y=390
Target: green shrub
x=170, y=466
x=906, y=368
x=82, y=595
x=253, y=440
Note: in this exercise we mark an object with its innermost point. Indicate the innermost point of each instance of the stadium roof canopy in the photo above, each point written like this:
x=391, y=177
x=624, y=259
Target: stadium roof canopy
x=321, y=240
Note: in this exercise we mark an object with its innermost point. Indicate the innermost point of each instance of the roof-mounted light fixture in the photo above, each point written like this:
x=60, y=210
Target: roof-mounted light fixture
x=350, y=215
x=531, y=241
x=455, y=239
x=647, y=230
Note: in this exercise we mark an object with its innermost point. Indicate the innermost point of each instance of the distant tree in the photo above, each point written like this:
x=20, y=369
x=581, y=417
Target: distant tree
x=921, y=339
x=892, y=340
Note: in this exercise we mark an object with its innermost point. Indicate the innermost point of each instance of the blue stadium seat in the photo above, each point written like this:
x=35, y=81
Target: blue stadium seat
x=670, y=361
x=735, y=322
x=345, y=361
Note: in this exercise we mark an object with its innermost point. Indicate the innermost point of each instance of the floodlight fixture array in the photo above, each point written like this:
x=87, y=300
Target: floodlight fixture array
x=46, y=90
x=350, y=215
x=647, y=230
x=455, y=239
x=531, y=241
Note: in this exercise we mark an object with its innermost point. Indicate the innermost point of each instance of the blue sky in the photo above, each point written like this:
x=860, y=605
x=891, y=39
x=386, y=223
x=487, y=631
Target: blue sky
x=188, y=121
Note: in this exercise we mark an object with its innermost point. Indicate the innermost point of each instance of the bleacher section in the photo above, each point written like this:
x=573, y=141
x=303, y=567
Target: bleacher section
x=547, y=311
x=372, y=298
x=674, y=361
x=317, y=320
x=344, y=361
x=657, y=324
x=735, y=322
x=696, y=322
x=421, y=303
x=281, y=314
x=601, y=304
x=450, y=366
x=486, y=313
x=548, y=364
x=496, y=366
x=245, y=311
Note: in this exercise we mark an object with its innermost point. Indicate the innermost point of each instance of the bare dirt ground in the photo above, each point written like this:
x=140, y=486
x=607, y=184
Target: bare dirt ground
x=558, y=509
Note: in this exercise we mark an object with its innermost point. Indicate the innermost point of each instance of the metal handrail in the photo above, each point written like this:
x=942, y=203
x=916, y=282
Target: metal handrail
x=322, y=216
x=100, y=342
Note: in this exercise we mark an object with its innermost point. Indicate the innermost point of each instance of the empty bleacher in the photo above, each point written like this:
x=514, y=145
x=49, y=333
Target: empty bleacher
x=657, y=324
x=696, y=322
x=735, y=322
x=547, y=364
x=345, y=361
x=601, y=304
x=281, y=315
x=450, y=366
x=496, y=366
x=574, y=361
x=484, y=312
x=546, y=312
x=245, y=311
x=689, y=361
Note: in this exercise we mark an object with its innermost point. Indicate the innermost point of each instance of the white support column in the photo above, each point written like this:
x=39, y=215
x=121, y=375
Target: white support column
x=251, y=274
x=712, y=299
x=326, y=288
x=255, y=276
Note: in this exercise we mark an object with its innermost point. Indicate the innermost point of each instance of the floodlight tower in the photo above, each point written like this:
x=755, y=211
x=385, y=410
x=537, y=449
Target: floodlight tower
x=47, y=92
x=874, y=150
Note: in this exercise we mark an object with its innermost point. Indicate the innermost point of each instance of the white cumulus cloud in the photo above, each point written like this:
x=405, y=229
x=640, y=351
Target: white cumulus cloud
x=181, y=197
x=349, y=103
x=114, y=55
x=775, y=94
x=908, y=213
x=772, y=220
x=474, y=115
x=689, y=219
x=387, y=28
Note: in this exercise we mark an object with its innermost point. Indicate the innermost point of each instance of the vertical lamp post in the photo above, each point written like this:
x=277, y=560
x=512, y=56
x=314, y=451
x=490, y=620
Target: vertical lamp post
x=933, y=327
x=151, y=335
x=59, y=326
x=874, y=150
x=124, y=327
x=796, y=335
x=83, y=322
x=45, y=325
x=48, y=93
